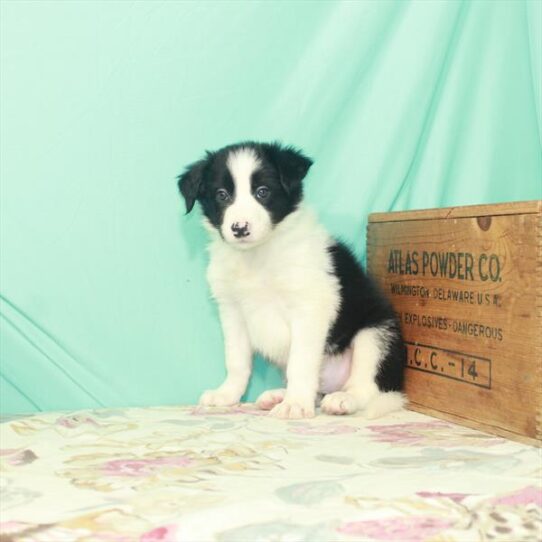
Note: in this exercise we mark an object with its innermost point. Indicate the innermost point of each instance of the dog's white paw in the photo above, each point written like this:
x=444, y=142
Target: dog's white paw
x=218, y=397
x=293, y=409
x=339, y=403
x=268, y=399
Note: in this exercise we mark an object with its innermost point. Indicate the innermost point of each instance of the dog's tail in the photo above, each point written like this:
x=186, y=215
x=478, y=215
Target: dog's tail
x=383, y=403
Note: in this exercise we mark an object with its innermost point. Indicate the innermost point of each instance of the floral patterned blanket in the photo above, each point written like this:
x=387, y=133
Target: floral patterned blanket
x=187, y=474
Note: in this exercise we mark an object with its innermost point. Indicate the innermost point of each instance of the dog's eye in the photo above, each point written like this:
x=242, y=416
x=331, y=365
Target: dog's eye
x=262, y=192
x=222, y=195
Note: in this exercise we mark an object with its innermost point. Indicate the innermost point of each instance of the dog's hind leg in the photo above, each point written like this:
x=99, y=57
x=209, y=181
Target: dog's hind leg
x=370, y=350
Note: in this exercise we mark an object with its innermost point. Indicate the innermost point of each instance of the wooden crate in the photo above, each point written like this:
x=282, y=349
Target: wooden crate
x=466, y=283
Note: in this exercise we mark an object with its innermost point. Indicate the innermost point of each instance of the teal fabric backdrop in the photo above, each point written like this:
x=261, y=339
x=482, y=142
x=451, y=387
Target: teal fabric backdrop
x=401, y=104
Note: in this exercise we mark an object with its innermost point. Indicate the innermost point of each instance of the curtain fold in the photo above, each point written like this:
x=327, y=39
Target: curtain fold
x=401, y=104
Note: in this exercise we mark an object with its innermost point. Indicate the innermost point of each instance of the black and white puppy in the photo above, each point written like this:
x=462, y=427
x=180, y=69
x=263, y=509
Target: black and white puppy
x=286, y=289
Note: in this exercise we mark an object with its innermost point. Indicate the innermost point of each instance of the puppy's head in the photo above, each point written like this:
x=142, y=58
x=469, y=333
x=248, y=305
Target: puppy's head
x=245, y=190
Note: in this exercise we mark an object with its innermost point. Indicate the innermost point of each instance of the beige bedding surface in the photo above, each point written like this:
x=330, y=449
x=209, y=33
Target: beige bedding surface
x=234, y=474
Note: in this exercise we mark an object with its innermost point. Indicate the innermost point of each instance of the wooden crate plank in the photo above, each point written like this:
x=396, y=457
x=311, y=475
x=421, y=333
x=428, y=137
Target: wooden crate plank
x=467, y=211
x=468, y=292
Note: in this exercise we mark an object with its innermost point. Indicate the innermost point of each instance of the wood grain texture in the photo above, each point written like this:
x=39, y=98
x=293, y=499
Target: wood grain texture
x=467, y=211
x=468, y=291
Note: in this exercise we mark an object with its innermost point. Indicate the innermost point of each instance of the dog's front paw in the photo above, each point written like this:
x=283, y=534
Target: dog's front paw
x=218, y=397
x=292, y=408
x=268, y=399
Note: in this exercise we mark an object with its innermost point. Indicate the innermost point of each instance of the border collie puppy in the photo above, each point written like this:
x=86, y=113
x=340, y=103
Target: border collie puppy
x=286, y=289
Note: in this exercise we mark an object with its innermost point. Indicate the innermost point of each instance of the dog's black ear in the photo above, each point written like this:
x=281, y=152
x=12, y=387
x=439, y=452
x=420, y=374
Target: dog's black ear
x=190, y=182
x=291, y=163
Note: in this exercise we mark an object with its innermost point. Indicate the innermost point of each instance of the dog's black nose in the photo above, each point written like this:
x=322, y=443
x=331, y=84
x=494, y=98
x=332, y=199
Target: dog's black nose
x=240, y=230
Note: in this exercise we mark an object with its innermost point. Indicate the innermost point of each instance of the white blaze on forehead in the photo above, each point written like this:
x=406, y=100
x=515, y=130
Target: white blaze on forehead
x=245, y=209
x=242, y=164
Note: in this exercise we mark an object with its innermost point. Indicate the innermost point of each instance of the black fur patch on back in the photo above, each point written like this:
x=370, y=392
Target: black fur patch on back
x=363, y=305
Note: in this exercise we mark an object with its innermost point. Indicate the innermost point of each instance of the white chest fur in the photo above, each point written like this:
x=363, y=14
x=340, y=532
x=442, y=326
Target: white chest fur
x=272, y=284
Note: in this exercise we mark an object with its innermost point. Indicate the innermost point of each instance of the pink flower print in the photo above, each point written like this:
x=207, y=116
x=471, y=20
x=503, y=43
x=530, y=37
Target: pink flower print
x=433, y=433
x=322, y=430
x=406, y=433
x=242, y=408
x=413, y=529
x=527, y=495
x=165, y=533
x=456, y=497
x=143, y=467
x=75, y=420
x=18, y=456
